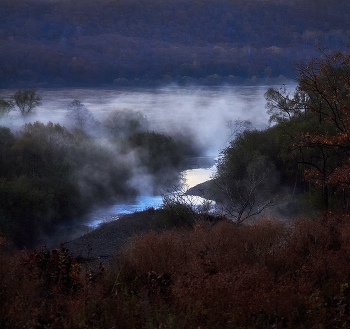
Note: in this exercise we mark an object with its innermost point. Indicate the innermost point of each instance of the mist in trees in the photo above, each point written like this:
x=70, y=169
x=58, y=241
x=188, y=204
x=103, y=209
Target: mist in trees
x=5, y=107
x=80, y=118
x=50, y=173
x=304, y=152
x=125, y=122
x=51, y=176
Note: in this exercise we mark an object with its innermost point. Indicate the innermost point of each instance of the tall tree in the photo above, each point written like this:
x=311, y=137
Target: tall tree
x=247, y=177
x=321, y=144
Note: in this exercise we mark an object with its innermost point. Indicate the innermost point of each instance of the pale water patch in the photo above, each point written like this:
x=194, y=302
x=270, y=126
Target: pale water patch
x=192, y=177
x=197, y=176
x=113, y=212
x=140, y=203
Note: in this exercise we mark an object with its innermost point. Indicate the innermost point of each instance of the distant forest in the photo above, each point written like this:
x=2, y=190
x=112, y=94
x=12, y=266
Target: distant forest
x=64, y=43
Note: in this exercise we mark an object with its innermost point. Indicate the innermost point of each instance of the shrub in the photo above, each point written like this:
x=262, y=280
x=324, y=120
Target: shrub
x=261, y=275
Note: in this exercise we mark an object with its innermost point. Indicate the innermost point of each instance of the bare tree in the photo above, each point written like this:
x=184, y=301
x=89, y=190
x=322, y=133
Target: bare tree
x=236, y=127
x=244, y=198
x=249, y=195
x=27, y=100
x=282, y=106
x=187, y=207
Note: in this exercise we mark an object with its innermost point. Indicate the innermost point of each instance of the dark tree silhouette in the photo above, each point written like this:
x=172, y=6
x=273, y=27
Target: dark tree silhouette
x=27, y=100
x=5, y=107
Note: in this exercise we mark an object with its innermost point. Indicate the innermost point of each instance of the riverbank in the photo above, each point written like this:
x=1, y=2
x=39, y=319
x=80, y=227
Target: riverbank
x=203, y=190
x=103, y=241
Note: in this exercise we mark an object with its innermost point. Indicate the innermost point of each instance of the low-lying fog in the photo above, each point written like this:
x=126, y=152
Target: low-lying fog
x=204, y=111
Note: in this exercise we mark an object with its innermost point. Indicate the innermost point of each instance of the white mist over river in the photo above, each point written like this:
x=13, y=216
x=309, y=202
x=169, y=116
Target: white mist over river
x=203, y=112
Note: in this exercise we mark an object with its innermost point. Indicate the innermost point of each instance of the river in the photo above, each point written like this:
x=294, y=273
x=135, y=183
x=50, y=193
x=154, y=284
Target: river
x=191, y=177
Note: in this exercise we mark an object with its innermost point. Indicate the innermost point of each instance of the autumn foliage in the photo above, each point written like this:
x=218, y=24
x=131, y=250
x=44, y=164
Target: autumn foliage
x=262, y=275
x=327, y=84
x=314, y=125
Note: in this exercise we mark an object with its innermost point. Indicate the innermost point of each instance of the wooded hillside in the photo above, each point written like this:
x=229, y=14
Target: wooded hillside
x=80, y=43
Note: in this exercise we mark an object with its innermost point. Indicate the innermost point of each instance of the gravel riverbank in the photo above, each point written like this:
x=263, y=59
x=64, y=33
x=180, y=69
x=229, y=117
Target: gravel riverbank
x=103, y=241
x=107, y=238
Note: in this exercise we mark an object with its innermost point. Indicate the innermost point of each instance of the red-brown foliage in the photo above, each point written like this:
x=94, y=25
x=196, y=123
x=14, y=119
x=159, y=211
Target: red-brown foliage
x=267, y=274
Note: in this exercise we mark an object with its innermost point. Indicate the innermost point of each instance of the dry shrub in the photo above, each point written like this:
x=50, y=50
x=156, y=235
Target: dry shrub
x=218, y=274
x=257, y=275
x=39, y=289
x=18, y=293
x=266, y=274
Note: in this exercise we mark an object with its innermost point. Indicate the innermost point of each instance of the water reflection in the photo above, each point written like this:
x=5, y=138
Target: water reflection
x=197, y=176
x=113, y=212
x=192, y=177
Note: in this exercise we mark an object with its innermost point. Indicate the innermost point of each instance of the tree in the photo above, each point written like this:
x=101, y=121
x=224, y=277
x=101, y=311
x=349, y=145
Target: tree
x=281, y=106
x=321, y=144
x=6, y=142
x=237, y=126
x=79, y=117
x=27, y=100
x=246, y=179
x=327, y=83
x=161, y=156
x=5, y=107
x=125, y=122
x=249, y=195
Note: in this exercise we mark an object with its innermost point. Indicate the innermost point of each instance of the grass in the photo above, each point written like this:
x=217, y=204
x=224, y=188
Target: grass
x=267, y=274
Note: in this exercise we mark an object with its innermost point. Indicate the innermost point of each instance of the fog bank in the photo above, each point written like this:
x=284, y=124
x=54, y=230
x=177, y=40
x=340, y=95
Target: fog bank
x=202, y=112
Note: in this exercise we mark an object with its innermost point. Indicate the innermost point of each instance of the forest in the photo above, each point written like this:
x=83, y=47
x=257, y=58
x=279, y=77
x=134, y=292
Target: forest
x=149, y=42
x=52, y=175
x=193, y=268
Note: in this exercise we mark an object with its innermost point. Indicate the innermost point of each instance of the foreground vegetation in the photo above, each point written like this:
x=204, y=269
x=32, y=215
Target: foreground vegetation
x=263, y=275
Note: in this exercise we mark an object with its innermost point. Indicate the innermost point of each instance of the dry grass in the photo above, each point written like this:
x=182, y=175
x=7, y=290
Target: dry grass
x=264, y=275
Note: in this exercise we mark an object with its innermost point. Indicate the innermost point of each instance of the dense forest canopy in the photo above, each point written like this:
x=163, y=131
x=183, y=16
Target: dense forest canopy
x=80, y=43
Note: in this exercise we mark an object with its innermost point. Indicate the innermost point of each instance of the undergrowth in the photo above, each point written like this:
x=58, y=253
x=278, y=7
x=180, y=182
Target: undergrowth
x=268, y=274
